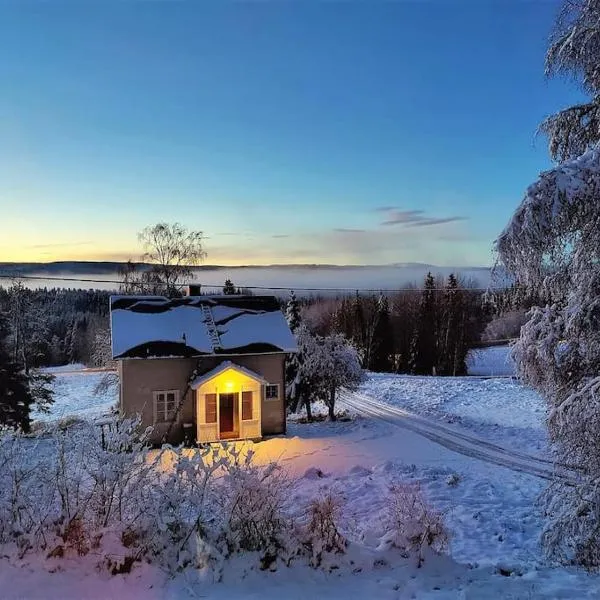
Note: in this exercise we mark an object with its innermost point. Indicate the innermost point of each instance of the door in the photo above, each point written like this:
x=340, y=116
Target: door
x=227, y=403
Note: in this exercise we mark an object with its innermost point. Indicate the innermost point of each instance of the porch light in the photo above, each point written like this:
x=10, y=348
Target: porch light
x=229, y=385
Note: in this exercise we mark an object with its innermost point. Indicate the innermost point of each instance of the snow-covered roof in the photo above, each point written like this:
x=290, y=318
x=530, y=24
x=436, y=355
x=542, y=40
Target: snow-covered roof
x=153, y=326
x=221, y=368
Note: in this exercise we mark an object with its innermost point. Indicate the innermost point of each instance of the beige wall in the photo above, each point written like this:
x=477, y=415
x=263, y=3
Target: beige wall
x=141, y=377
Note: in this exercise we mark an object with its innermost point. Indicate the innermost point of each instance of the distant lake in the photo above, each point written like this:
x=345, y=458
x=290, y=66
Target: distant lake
x=288, y=277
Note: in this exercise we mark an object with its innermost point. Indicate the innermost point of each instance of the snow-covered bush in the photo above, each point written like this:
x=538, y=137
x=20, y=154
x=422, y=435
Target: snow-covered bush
x=320, y=535
x=252, y=502
x=412, y=524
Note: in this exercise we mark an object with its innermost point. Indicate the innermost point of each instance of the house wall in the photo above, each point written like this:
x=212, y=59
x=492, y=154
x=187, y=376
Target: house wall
x=140, y=378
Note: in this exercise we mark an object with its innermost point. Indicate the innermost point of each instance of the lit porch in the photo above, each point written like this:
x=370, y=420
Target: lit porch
x=228, y=403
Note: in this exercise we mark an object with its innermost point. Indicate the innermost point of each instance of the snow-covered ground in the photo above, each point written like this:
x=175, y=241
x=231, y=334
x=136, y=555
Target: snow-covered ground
x=500, y=409
x=74, y=394
x=489, y=509
x=492, y=361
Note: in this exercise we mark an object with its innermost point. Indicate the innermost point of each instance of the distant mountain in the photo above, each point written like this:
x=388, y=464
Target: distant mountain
x=78, y=267
x=307, y=278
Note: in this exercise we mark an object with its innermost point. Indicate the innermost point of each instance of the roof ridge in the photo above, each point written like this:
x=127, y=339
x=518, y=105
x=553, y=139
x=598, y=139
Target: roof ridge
x=209, y=321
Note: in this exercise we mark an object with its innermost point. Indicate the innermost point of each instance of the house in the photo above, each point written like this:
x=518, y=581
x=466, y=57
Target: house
x=215, y=364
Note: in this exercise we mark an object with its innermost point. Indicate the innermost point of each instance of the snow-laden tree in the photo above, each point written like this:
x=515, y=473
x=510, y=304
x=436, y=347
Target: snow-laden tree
x=552, y=244
x=292, y=363
x=292, y=312
x=340, y=367
x=552, y=247
x=299, y=375
x=325, y=364
x=574, y=51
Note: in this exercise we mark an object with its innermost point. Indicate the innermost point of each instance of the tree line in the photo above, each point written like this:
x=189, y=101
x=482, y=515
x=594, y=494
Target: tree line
x=422, y=332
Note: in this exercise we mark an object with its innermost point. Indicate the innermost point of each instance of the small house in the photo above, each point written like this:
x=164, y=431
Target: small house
x=207, y=367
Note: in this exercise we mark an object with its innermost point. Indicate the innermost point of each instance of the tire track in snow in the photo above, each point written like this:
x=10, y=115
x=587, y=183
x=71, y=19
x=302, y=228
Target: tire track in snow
x=459, y=442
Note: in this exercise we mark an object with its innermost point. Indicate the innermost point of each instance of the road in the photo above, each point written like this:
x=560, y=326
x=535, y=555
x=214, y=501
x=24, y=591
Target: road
x=456, y=439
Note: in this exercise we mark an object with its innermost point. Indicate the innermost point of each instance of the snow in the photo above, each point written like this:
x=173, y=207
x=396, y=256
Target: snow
x=131, y=329
x=490, y=510
x=182, y=321
x=269, y=327
x=500, y=409
x=74, y=395
x=493, y=361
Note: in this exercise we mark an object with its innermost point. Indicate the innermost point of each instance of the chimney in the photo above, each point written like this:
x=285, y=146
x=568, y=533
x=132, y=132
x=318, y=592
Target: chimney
x=193, y=289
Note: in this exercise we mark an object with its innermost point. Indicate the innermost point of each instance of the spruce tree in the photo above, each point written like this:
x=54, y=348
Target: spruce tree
x=292, y=364
x=229, y=288
x=358, y=322
x=382, y=359
x=452, y=349
x=292, y=313
x=18, y=389
x=423, y=359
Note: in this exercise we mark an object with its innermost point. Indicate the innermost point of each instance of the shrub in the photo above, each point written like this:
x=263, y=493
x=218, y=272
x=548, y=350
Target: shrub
x=253, y=509
x=321, y=535
x=412, y=524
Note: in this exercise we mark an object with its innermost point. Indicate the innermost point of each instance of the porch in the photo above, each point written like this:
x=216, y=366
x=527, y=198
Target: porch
x=228, y=403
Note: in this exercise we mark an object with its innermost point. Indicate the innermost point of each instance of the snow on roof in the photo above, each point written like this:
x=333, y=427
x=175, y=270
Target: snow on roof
x=153, y=326
x=224, y=366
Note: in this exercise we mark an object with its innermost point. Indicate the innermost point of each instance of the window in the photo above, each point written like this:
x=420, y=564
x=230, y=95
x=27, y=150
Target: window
x=246, y=406
x=272, y=391
x=165, y=405
x=210, y=408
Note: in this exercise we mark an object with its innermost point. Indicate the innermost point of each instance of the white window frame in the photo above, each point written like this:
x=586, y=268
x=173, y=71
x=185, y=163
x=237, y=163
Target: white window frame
x=275, y=385
x=164, y=417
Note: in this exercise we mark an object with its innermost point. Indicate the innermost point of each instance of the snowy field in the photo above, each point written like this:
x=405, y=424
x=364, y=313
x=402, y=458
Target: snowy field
x=501, y=410
x=492, y=361
x=490, y=510
x=74, y=394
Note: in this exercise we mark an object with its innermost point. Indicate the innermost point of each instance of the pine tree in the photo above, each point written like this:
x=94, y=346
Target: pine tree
x=423, y=359
x=292, y=313
x=229, y=288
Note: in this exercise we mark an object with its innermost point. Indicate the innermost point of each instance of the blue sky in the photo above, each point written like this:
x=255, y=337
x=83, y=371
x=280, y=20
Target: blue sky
x=330, y=132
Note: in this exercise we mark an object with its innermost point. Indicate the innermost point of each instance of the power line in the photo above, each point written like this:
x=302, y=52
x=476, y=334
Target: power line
x=255, y=287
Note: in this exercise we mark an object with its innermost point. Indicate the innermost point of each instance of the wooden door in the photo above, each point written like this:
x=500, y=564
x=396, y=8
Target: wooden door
x=226, y=411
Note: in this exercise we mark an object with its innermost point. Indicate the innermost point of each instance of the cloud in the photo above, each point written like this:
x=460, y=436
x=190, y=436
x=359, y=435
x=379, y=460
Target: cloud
x=414, y=218
x=429, y=221
x=280, y=236
x=345, y=230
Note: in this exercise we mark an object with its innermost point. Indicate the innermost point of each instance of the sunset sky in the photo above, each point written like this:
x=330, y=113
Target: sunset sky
x=289, y=132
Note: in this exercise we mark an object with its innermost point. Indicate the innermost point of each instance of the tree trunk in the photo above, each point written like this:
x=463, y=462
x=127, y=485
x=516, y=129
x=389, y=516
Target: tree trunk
x=308, y=409
x=331, y=405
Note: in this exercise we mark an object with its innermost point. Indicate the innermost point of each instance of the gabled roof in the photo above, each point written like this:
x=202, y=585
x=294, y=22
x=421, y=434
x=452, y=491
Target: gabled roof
x=221, y=368
x=153, y=326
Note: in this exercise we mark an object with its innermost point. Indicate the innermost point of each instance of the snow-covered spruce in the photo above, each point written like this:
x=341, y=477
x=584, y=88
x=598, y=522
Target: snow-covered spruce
x=552, y=244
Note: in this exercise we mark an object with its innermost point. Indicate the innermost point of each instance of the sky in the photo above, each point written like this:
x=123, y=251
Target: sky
x=288, y=132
